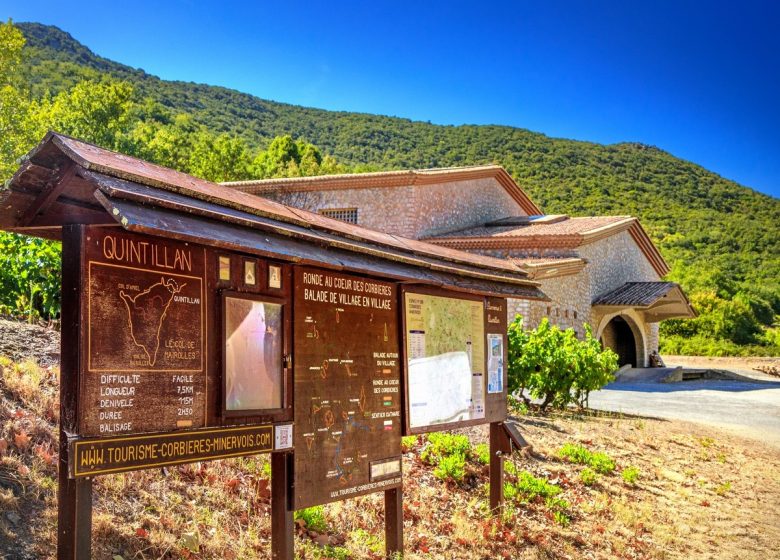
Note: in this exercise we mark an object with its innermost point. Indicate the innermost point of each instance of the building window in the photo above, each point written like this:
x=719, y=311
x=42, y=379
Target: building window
x=348, y=215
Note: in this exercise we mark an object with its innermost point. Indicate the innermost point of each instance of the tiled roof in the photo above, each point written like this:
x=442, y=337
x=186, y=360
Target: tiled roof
x=549, y=267
x=540, y=232
x=382, y=179
x=535, y=228
x=657, y=300
x=639, y=294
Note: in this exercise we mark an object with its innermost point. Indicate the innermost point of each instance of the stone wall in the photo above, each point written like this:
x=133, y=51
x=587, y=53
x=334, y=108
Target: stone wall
x=569, y=306
x=614, y=261
x=415, y=211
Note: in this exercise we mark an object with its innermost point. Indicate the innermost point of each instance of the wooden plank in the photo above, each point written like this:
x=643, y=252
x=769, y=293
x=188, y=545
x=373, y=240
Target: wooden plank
x=498, y=442
x=47, y=197
x=74, y=497
x=94, y=456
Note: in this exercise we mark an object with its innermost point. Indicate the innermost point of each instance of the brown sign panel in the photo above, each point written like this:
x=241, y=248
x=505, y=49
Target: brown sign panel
x=121, y=454
x=144, y=332
x=346, y=385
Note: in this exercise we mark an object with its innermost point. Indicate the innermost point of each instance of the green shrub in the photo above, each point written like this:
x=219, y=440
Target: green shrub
x=555, y=366
x=314, y=517
x=630, y=475
x=408, y=443
x=481, y=452
x=451, y=468
x=529, y=487
x=441, y=445
x=588, y=476
x=30, y=270
x=598, y=461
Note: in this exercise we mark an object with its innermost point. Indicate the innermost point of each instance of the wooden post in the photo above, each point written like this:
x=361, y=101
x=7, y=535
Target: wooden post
x=394, y=522
x=282, y=530
x=74, y=497
x=498, y=444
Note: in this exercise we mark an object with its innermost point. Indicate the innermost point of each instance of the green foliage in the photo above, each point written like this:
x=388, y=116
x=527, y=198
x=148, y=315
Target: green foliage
x=723, y=489
x=598, y=461
x=313, y=517
x=451, y=468
x=729, y=323
x=408, y=443
x=29, y=276
x=528, y=488
x=449, y=453
x=481, y=452
x=717, y=235
x=440, y=445
x=588, y=476
x=554, y=365
x=630, y=475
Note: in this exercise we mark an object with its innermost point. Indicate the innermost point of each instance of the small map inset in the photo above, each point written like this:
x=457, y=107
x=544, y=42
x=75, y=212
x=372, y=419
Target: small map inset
x=146, y=312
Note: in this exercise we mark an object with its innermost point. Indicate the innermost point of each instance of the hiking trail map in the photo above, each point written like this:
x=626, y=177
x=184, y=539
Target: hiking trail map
x=144, y=306
x=347, y=387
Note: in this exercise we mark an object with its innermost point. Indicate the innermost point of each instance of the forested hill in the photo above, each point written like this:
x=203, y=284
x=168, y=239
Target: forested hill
x=719, y=236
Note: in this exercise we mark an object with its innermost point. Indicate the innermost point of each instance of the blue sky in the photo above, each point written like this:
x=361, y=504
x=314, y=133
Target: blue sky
x=699, y=79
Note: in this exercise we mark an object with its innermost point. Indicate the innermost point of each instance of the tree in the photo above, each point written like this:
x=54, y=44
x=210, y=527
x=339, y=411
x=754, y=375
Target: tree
x=551, y=364
x=97, y=112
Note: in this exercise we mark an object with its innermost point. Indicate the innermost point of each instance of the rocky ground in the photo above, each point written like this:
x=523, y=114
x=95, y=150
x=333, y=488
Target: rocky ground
x=20, y=340
x=675, y=490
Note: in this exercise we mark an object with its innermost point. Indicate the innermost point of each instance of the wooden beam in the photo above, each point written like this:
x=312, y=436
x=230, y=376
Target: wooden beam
x=74, y=510
x=48, y=195
x=394, y=523
x=282, y=543
x=498, y=442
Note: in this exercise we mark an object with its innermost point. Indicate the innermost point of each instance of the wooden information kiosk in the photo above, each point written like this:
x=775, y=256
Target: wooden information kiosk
x=202, y=323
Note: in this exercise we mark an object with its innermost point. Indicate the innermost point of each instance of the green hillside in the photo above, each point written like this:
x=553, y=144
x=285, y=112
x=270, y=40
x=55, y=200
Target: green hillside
x=721, y=238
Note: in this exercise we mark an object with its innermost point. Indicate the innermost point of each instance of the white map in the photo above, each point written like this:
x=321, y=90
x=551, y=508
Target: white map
x=440, y=389
x=446, y=350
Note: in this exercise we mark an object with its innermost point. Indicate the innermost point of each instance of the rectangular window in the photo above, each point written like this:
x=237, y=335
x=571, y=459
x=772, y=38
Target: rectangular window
x=253, y=363
x=349, y=215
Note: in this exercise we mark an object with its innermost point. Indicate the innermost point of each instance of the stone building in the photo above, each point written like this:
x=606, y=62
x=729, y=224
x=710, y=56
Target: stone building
x=600, y=270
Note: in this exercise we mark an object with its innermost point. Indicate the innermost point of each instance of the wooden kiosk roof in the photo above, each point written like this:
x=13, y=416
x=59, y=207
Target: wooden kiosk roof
x=66, y=181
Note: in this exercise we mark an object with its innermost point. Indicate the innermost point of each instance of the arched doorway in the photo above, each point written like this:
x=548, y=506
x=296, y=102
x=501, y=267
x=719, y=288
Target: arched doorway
x=619, y=336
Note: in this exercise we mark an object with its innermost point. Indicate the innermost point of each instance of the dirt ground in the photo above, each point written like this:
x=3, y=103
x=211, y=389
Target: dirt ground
x=698, y=493
x=20, y=340
x=746, y=364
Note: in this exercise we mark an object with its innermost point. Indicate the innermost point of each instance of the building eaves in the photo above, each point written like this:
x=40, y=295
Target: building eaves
x=389, y=179
x=560, y=234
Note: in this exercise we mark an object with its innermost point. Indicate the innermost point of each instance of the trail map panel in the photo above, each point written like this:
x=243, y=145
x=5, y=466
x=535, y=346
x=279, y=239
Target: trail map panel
x=144, y=335
x=347, y=387
x=445, y=349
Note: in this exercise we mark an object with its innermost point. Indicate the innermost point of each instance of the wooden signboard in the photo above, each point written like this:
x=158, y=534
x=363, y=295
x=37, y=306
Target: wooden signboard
x=143, y=335
x=455, y=354
x=121, y=454
x=347, y=387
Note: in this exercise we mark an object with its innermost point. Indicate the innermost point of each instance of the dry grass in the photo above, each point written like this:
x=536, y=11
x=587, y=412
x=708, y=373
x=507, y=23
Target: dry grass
x=699, y=494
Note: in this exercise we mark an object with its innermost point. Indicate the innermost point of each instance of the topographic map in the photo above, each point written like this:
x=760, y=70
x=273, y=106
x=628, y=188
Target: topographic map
x=445, y=338
x=146, y=312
